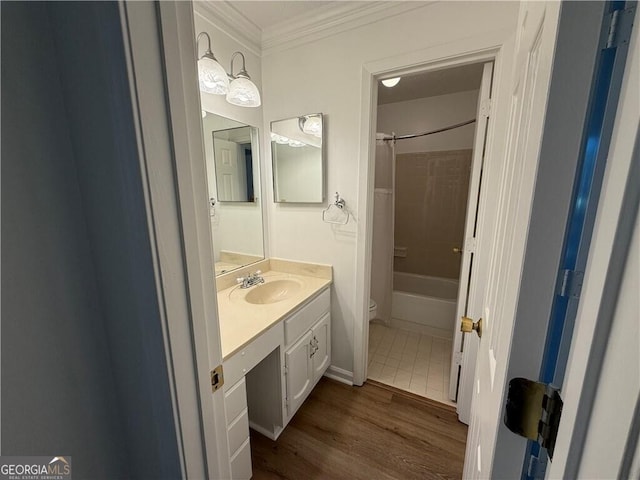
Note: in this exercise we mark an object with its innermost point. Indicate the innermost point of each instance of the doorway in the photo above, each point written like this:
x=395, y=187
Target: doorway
x=426, y=190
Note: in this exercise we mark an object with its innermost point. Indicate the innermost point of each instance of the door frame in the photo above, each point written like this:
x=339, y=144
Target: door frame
x=538, y=257
x=488, y=47
x=160, y=43
x=612, y=231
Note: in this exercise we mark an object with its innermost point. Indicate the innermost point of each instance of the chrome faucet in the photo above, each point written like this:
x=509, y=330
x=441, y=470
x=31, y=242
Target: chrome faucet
x=250, y=280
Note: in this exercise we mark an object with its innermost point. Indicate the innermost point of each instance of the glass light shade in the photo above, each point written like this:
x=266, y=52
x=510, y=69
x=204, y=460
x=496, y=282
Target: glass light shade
x=313, y=126
x=279, y=139
x=391, y=82
x=212, y=77
x=244, y=93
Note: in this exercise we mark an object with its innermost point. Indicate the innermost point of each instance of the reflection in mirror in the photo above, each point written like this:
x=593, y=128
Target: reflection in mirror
x=298, y=166
x=234, y=164
x=233, y=180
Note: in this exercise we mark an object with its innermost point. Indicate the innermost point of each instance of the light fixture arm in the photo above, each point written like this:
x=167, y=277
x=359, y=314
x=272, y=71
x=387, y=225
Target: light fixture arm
x=242, y=73
x=208, y=53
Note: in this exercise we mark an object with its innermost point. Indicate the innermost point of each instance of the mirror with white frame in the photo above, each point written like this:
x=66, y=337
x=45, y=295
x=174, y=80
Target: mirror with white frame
x=298, y=159
x=233, y=180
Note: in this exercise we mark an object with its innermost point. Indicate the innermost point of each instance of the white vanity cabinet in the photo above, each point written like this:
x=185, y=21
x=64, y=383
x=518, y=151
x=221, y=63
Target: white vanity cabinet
x=298, y=370
x=305, y=362
x=322, y=341
x=235, y=399
x=307, y=359
x=269, y=378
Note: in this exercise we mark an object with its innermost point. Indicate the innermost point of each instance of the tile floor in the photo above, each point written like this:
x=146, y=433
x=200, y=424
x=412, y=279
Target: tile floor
x=410, y=361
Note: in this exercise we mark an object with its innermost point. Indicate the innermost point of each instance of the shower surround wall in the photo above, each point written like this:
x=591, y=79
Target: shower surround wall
x=431, y=181
x=431, y=203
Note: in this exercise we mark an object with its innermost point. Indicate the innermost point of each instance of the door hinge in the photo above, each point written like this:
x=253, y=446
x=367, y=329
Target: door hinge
x=485, y=108
x=538, y=466
x=533, y=411
x=470, y=244
x=570, y=284
x=217, y=378
x=457, y=359
x=286, y=370
x=620, y=23
x=613, y=28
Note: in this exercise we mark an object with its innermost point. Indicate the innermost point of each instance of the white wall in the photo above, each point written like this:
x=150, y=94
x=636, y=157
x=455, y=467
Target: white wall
x=325, y=76
x=425, y=114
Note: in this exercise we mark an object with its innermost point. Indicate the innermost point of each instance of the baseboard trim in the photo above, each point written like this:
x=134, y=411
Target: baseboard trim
x=340, y=375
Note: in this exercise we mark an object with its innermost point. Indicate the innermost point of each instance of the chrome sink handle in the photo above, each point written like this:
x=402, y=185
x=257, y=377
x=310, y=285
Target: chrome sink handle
x=250, y=280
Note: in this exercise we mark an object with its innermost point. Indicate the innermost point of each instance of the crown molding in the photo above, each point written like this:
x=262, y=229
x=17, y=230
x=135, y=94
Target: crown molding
x=329, y=20
x=336, y=17
x=226, y=18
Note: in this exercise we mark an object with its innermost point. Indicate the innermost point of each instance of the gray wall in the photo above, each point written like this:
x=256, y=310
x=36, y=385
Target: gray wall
x=83, y=366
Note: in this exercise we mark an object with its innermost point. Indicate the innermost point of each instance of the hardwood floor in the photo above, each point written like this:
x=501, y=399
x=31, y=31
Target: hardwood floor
x=370, y=432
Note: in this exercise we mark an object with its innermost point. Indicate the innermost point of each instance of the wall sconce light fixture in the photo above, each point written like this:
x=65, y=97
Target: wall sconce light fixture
x=212, y=78
x=242, y=91
x=211, y=75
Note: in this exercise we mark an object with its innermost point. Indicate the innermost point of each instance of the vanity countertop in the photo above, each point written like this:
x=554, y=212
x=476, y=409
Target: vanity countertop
x=241, y=321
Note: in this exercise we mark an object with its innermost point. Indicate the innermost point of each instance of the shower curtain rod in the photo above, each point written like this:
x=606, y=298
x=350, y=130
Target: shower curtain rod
x=415, y=135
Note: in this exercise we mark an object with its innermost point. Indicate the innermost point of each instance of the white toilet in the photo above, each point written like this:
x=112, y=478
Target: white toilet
x=373, y=309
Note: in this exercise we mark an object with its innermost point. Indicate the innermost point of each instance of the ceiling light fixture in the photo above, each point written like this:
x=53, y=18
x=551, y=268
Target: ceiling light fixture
x=242, y=91
x=391, y=82
x=211, y=75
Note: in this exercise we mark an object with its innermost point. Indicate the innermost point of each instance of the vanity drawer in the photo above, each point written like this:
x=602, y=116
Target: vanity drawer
x=235, y=400
x=238, y=432
x=241, y=463
x=301, y=321
x=241, y=362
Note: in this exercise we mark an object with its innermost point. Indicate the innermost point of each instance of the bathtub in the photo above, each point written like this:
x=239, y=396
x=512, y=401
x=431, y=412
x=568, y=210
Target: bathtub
x=424, y=304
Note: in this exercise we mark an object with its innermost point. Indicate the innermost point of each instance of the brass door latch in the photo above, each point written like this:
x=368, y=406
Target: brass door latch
x=467, y=325
x=217, y=378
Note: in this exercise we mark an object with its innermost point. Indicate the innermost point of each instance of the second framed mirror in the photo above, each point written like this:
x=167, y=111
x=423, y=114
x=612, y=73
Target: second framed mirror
x=297, y=150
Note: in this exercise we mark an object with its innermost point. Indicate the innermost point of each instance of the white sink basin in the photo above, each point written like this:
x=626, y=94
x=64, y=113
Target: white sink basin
x=272, y=292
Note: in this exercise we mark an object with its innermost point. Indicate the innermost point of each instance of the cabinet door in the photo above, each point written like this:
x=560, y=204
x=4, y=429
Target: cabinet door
x=321, y=354
x=299, y=372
